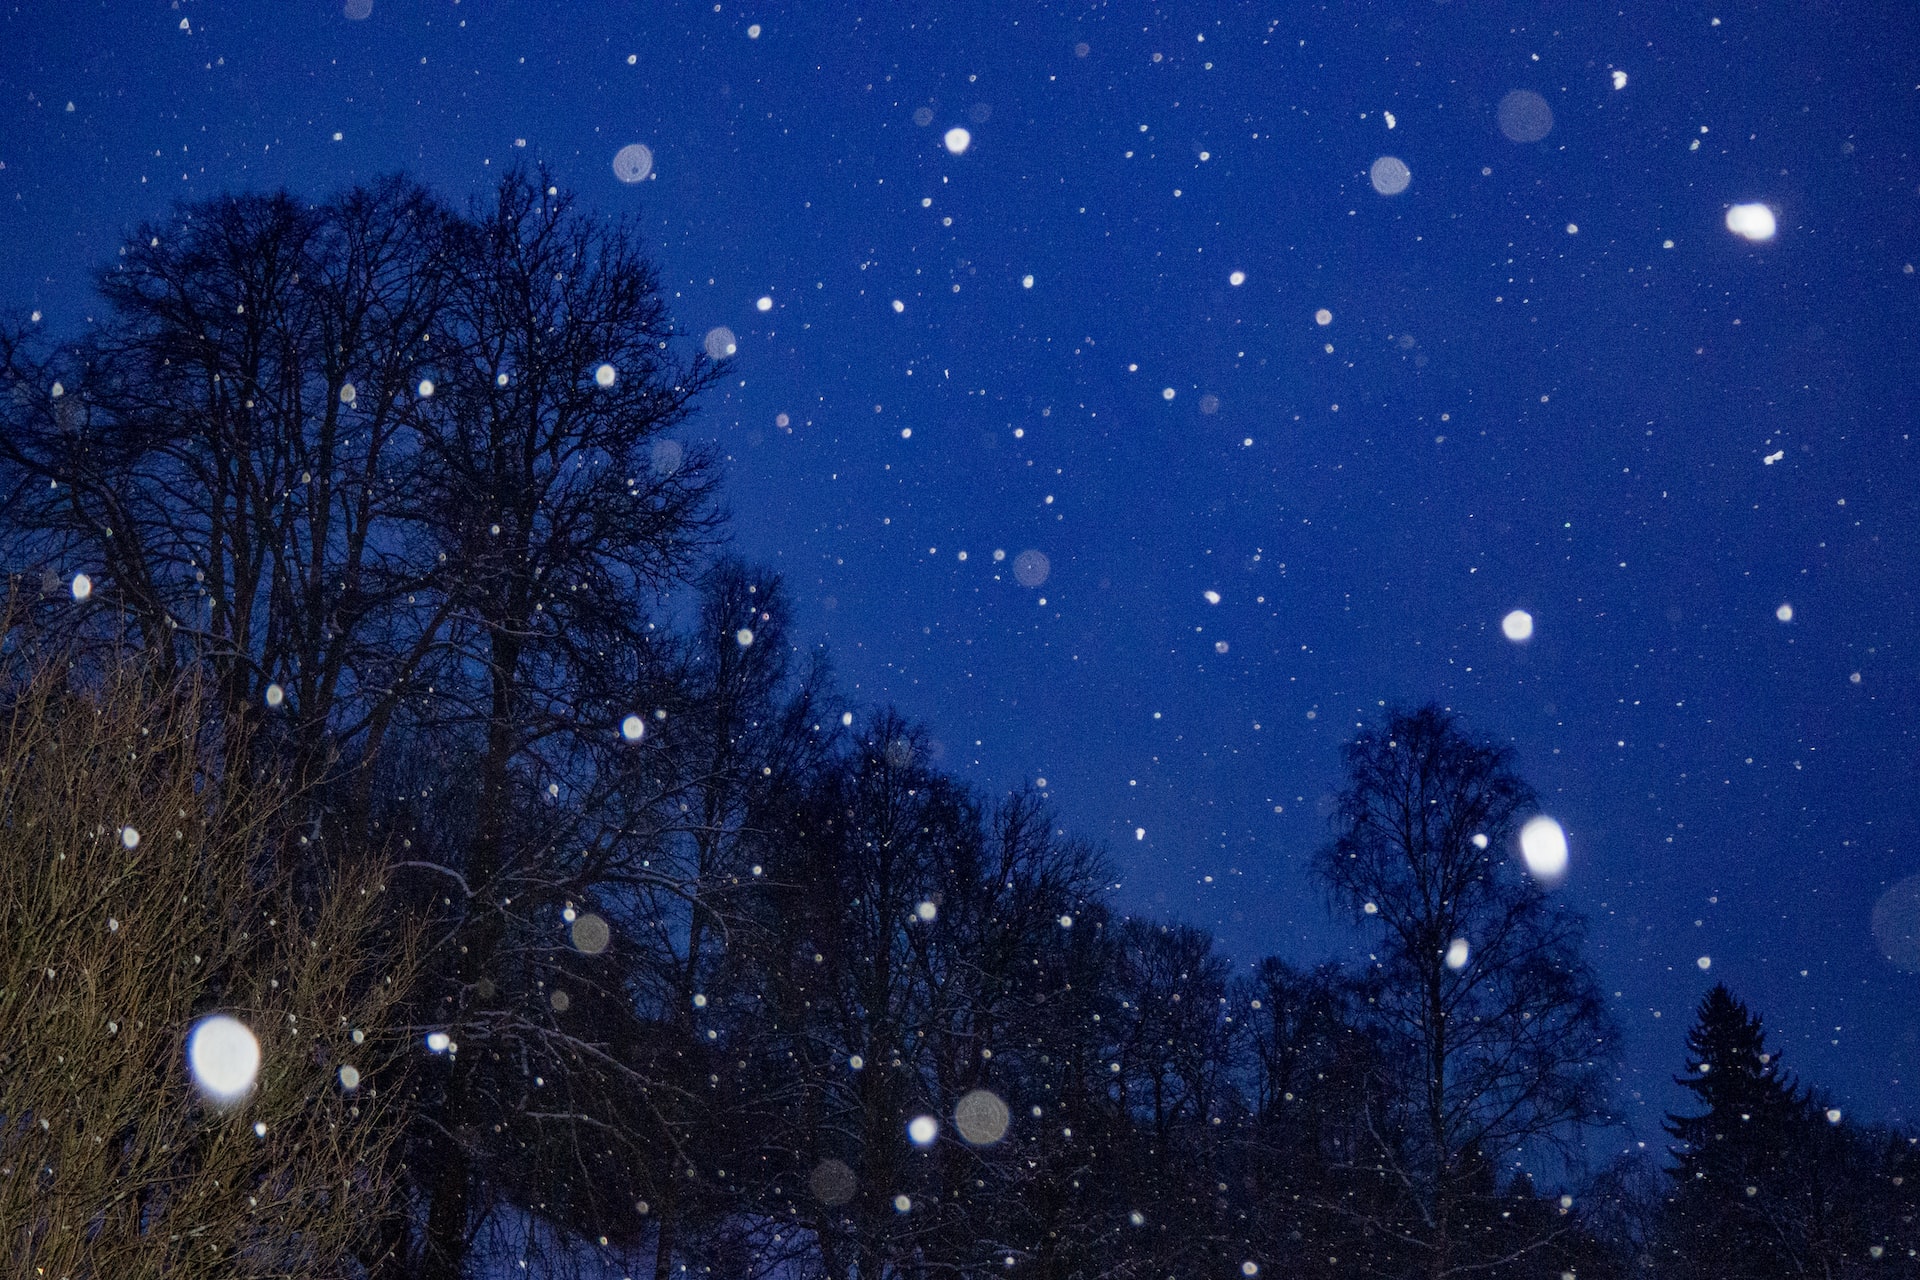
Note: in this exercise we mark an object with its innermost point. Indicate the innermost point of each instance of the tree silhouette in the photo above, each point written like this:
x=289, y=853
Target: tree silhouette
x=1502, y=1053
x=1766, y=1181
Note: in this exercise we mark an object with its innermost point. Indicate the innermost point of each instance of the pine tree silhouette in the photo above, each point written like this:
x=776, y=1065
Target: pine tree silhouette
x=1734, y=1210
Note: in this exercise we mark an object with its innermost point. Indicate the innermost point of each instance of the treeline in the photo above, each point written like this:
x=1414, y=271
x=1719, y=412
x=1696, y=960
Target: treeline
x=355, y=558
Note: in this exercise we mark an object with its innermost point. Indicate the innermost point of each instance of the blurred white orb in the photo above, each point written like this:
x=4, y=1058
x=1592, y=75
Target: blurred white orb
x=1066, y=922
x=1030, y=568
x=1784, y=613
x=720, y=343
x=1237, y=278
x=1753, y=222
x=82, y=586
x=130, y=837
x=604, y=376
x=1026, y=282
x=981, y=1117
x=958, y=140
x=923, y=1129
x=633, y=162
x=1479, y=839
x=1544, y=846
x=743, y=637
x=426, y=388
x=1833, y=1115
x=1323, y=317
x=224, y=1057
x=1524, y=116
x=349, y=1078
x=1619, y=79
x=438, y=1042
x=591, y=934
x=832, y=1182
x=1457, y=954
x=633, y=728
x=1705, y=962
x=765, y=303
x=926, y=911
x=1517, y=626
x=275, y=695
x=1896, y=924
x=347, y=394
x=1390, y=175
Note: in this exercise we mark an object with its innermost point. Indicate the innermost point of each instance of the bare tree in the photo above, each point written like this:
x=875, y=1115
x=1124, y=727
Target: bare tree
x=1494, y=1025
x=562, y=507
x=137, y=894
x=229, y=459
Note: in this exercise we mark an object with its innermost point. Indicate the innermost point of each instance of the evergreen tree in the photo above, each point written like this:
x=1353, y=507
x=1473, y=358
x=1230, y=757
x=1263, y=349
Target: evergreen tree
x=1743, y=1167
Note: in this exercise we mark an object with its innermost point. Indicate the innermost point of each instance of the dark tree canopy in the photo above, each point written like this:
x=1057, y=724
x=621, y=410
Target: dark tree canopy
x=1490, y=1019
x=710, y=971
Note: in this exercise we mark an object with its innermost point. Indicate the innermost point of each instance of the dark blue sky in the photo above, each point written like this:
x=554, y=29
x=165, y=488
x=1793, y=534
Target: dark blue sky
x=1552, y=380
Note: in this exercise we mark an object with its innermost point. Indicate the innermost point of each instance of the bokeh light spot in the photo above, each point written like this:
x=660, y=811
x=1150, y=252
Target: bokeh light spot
x=590, y=933
x=1544, y=846
x=1524, y=116
x=982, y=1117
x=633, y=162
x=1390, y=175
x=1030, y=568
x=1754, y=222
x=224, y=1057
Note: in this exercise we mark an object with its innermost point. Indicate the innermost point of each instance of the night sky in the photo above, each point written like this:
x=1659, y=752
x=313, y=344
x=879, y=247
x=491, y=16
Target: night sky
x=1545, y=376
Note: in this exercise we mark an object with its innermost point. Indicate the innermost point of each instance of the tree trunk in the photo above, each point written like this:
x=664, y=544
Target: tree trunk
x=663, y=1242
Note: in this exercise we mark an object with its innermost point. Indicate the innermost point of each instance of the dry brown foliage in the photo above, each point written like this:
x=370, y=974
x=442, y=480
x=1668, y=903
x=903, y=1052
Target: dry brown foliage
x=112, y=1163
